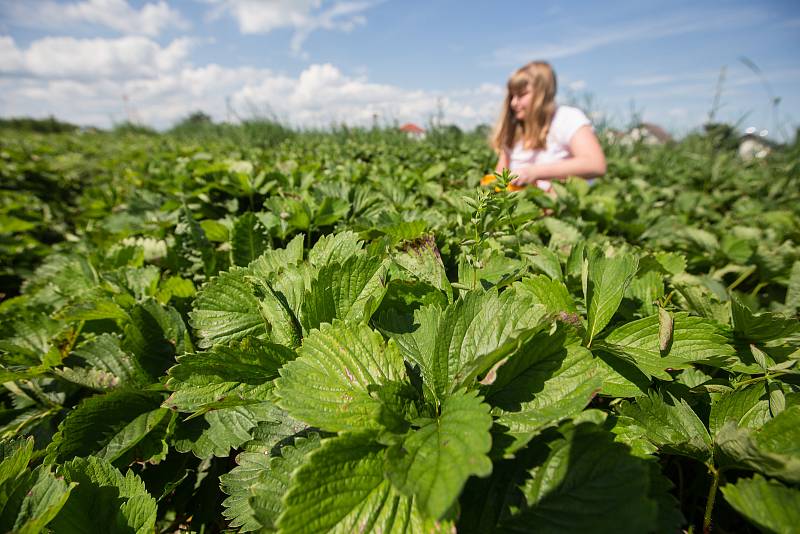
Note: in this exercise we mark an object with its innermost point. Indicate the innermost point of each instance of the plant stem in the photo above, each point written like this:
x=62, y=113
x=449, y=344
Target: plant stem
x=712, y=493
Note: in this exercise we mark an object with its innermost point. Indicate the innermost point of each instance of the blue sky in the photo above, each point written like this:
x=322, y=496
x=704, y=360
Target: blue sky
x=315, y=62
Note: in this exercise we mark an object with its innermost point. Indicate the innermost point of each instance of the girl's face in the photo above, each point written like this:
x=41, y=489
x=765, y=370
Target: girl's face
x=521, y=103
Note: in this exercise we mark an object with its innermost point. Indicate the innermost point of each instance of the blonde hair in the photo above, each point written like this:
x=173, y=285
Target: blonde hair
x=538, y=76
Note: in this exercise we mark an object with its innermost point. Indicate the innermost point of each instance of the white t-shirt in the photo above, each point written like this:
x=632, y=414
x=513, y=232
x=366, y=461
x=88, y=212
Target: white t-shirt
x=566, y=121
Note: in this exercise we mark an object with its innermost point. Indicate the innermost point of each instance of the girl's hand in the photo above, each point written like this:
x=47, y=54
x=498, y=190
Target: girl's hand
x=525, y=176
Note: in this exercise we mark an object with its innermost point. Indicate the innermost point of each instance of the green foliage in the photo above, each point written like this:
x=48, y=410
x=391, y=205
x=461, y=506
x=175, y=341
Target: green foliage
x=382, y=346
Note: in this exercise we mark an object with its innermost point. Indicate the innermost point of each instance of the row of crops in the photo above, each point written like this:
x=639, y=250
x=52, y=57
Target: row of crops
x=344, y=332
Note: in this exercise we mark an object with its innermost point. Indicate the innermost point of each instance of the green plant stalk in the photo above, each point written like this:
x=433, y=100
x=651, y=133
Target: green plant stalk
x=712, y=493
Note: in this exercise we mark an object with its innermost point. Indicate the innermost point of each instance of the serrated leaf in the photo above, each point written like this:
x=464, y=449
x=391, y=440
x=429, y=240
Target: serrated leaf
x=455, y=345
x=350, y=291
x=283, y=326
x=104, y=497
x=257, y=484
x=792, y=301
x=701, y=299
x=334, y=248
x=94, y=307
x=762, y=327
x=105, y=354
x=671, y=262
x=605, y=285
x=328, y=384
x=647, y=286
x=421, y=259
x=693, y=340
x=552, y=294
x=341, y=488
x=226, y=310
x=155, y=334
x=15, y=457
x=32, y=501
x=240, y=371
x=193, y=244
x=773, y=450
x=249, y=239
x=272, y=262
x=550, y=378
x=671, y=425
x=747, y=407
x=768, y=504
x=544, y=260
x=108, y=425
x=589, y=483
x=434, y=461
x=216, y=432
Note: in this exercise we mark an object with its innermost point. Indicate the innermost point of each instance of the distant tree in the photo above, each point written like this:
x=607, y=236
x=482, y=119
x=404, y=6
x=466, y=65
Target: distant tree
x=29, y=124
x=723, y=136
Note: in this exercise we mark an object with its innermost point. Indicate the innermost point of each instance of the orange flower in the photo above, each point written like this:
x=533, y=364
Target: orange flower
x=491, y=178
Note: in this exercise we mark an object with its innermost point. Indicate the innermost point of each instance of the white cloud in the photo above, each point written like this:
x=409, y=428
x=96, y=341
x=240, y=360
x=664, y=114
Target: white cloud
x=302, y=16
x=585, y=41
x=319, y=96
x=117, y=15
x=92, y=59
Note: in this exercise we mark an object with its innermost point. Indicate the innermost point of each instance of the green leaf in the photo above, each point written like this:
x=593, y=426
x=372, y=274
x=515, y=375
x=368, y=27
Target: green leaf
x=693, y=340
x=421, y=258
x=240, y=371
x=552, y=294
x=330, y=210
x=773, y=450
x=671, y=425
x=606, y=283
x=155, y=334
x=193, y=243
x=15, y=457
x=257, y=484
x=588, y=483
x=32, y=501
x=550, y=378
x=434, y=461
x=249, y=239
x=768, y=504
x=341, y=488
x=105, y=354
x=456, y=345
x=226, y=310
x=104, y=497
x=327, y=386
x=281, y=320
x=700, y=299
x=109, y=425
x=747, y=407
x=762, y=327
x=334, y=248
x=271, y=262
x=350, y=291
x=93, y=307
x=792, y=301
x=647, y=286
x=216, y=432
x=544, y=260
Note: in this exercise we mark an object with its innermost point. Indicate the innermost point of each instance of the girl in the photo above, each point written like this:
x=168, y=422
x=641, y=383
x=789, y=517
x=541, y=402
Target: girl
x=540, y=141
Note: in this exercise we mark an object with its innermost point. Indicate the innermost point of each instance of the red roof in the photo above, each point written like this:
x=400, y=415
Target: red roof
x=411, y=128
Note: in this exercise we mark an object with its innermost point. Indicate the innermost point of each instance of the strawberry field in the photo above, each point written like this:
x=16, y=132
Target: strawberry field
x=343, y=331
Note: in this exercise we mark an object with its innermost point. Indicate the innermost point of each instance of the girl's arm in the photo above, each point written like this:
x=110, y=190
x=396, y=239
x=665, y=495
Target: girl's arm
x=587, y=161
x=502, y=161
